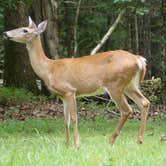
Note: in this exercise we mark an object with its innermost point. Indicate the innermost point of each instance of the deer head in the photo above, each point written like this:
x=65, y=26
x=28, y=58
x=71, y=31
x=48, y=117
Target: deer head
x=26, y=34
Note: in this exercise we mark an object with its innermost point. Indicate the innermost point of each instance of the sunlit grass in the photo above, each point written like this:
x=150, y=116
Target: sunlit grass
x=42, y=142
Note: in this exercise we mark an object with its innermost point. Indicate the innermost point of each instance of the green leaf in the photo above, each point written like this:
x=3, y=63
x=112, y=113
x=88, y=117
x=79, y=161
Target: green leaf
x=142, y=11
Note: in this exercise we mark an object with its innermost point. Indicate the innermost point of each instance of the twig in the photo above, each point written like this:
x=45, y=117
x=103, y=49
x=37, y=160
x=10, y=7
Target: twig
x=102, y=98
x=113, y=112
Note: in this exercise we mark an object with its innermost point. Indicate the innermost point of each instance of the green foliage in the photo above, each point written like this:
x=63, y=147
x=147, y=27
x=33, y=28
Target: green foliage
x=11, y=3
x=88, y=105
x=154, y=99
x=17, y=95
x=142, y=11
x=152, y=89
x=94, y=20
x=139, y=7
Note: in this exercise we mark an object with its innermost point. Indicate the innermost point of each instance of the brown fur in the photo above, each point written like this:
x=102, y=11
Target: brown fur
x=70, y=77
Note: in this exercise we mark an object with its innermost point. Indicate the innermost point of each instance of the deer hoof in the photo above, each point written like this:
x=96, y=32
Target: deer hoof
x=139, y=141
x=111, y=141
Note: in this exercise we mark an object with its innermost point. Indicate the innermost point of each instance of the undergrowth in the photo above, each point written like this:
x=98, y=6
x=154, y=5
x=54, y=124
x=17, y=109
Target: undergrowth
x=18, y=95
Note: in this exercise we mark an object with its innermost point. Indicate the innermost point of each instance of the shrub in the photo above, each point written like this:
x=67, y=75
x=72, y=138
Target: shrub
x=152, y=89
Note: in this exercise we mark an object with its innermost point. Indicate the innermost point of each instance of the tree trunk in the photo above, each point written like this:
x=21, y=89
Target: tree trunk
x=75, y=28
x=136, y=34
x=145, y=41
x=132, y=33
x=129, y=33
x=163, y=14
x=68, y=29
x=17, y=68
x=47, y=10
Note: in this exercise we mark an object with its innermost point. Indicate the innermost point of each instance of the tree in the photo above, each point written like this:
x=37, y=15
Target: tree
x=75, y=28
x=17, y=69
x=163, y=14
x=145, y=41
x=47, y=10
x=65, y=24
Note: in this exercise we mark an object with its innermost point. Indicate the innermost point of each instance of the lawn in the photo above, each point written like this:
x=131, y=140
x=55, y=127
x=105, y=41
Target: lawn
x=41, y=142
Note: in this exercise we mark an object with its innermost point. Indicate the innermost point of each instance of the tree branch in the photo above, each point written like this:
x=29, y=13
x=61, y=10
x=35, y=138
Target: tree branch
x=75, y=28
x=109, y=32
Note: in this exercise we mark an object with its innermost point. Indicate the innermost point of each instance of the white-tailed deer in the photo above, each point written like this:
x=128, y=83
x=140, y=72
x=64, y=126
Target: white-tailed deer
x=118, y=72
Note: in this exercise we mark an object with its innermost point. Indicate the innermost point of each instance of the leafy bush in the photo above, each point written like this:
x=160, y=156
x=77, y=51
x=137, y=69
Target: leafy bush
x=152, y=89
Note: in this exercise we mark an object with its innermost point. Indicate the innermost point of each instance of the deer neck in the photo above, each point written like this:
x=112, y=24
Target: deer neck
x=40, y=63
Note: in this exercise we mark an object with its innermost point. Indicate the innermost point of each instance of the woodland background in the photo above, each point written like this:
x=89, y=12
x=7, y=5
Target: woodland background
x=75, y=27
x=31, y=121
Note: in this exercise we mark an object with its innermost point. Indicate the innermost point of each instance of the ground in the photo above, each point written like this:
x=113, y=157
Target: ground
x=40, y=142
x=32, y=133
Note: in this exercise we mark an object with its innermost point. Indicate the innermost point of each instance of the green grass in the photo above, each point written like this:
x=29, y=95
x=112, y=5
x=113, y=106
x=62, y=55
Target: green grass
x=42, y=143
x=8, y=94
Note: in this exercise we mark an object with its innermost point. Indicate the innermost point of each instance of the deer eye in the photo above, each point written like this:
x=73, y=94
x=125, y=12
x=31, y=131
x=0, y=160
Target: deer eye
x=25, y=31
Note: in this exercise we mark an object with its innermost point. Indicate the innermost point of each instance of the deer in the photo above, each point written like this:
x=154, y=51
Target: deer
x=118, y=72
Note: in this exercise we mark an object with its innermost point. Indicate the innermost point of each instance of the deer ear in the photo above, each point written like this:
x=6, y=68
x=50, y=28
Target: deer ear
x=32, y=24
x=42, y=27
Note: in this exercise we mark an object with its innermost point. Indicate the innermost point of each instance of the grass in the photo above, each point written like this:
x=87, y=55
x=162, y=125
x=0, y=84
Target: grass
x=8, y=94
x=39, y=142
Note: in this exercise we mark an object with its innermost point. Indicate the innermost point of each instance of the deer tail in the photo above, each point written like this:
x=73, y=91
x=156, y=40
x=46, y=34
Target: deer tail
x=141, y=62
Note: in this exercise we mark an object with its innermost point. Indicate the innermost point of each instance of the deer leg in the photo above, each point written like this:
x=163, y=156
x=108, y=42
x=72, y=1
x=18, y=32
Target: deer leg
x=143, y=103
x=71, y=108
x=125, y=109
x=66, y=122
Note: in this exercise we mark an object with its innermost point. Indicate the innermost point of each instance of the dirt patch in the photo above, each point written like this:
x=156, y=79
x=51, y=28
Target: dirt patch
x=52, y=109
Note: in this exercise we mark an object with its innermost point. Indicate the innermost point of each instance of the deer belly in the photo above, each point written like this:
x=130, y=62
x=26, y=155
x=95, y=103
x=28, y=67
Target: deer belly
x=90, y=92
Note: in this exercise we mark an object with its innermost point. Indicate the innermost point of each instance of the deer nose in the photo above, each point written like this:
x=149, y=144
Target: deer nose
x=5, y=35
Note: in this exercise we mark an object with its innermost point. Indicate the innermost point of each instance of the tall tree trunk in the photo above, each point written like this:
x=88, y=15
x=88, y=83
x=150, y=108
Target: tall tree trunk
x=145, y=41
x=68, y=24
x=47, y=10
x=136, y=34
x=163, y=14
x=17, y=68
x=132, y=31
x=76, y=27
x=129, y=28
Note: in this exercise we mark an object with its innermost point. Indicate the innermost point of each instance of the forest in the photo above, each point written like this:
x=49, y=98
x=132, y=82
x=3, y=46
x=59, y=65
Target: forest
x=32, y=118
